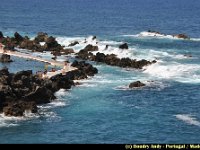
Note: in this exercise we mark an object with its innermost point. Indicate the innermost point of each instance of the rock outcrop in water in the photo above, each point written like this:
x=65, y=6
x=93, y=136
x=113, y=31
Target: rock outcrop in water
x=124, y=46
x=4, y=58
x=136, y=84
x=182, y=36
x=23, y=91
x=112, y=59
x=73, y=43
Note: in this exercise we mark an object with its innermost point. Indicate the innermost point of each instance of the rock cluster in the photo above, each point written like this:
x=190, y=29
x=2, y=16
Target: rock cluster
x=42, y=42
x=111, y=59
x=23, y=90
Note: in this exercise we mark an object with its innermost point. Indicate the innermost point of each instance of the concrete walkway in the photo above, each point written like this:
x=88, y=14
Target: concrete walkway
x=52, y=62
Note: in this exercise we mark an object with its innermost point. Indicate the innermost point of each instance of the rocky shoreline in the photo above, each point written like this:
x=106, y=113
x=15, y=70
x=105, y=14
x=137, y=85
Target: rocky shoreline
x=23, y=91
x=113, y=60
x=42, y=42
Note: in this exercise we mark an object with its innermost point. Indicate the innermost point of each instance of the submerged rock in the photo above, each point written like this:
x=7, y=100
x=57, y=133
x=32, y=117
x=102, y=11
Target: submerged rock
x=136, y=84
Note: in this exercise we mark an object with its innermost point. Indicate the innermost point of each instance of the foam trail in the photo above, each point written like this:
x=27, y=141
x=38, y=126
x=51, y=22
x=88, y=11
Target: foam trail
x=175, y=71
x=188, y=119
x=110, y=42
x=155, y=34
x=145, y=34
x=9, y=121
x=61, y=92
x=6, y=122
x=195, y=39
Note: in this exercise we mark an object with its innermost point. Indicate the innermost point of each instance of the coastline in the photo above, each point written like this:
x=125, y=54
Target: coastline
x=23, y=91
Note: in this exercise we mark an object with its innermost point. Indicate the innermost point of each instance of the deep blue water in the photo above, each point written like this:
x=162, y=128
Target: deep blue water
x=102, y=109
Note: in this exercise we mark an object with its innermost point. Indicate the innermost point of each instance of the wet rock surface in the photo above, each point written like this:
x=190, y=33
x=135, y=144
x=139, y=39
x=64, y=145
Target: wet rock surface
x=136, y=84
x=4, y=58
x=113, y=60
x=23, y=91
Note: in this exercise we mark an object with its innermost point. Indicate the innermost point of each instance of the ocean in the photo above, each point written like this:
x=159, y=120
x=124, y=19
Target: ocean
x=103, y=109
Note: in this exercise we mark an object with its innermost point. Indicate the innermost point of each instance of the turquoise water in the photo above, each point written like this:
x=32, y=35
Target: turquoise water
x=103, y=109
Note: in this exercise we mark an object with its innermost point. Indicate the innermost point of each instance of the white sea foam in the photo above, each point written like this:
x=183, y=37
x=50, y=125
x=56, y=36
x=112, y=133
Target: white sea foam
x=131, y=53
x=175, y=71
x=58, y=103
x=91, y=82
x=121, y=53
x=10, y=118
x=61, y=92
x=9, y=121
x=195, y=39
x=122, y=88
x=163, y=54
x=146, y=34
x=137, y=53
x=110, y=42
x=55, y=103
x=45, y=113
x=42, y=43
x=154, y=34
x=65, y=41
x=188, y=119
x=7, y=124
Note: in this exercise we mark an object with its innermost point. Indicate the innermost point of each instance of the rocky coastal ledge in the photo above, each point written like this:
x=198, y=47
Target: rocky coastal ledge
x=113, y=60
x=23, y=91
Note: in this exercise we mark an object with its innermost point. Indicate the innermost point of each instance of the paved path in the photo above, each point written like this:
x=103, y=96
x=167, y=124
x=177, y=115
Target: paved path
x=52, y=62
